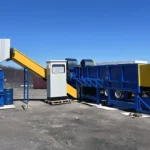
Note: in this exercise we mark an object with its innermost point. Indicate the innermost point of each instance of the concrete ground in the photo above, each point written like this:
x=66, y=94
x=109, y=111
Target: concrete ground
x=72, y=126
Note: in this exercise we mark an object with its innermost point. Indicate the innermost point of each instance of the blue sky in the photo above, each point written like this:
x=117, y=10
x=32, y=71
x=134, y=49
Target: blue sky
x=103, y=30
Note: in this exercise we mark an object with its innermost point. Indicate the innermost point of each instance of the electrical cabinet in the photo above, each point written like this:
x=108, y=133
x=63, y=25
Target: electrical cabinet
x=56, y=79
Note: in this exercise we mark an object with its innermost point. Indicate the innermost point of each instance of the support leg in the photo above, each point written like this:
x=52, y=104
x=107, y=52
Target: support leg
x=109, y=97
x=137, y=106
x=98, y=96
x=81, y=93
x=26, y=85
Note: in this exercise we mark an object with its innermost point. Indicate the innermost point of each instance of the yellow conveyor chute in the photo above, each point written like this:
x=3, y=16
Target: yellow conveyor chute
x=26, y=62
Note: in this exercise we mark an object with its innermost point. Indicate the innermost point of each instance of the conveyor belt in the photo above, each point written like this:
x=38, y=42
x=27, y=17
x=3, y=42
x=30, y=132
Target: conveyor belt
x=24, y=61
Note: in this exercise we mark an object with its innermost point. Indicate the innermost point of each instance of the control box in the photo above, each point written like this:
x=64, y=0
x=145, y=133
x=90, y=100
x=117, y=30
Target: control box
x=56, y=80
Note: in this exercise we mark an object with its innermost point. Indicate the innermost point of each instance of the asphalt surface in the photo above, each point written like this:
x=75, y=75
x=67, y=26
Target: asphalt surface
x=72, y=126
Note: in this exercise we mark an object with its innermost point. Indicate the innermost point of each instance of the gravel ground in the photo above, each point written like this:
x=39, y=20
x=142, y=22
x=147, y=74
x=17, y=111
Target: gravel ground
x=72, y=126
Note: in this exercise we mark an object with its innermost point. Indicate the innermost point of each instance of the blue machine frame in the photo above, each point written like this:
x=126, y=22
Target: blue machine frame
x=121, y=79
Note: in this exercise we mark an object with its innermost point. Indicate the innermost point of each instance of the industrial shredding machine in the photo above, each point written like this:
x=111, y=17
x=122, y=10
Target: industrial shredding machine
x=120, y=84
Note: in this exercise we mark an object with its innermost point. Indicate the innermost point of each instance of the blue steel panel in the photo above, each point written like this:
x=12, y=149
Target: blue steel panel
x=78, y=72
x=130, y=76
x=123, y=104
x=116, y=76
x=124, y=76
x=71, y=73
x=84, y=72
x=130, y=72
x=93, y=72
x=115, y=73
x=102, y=72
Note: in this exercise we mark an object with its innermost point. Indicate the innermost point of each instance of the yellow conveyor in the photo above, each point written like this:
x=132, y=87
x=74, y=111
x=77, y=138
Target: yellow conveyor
x=26, y=62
